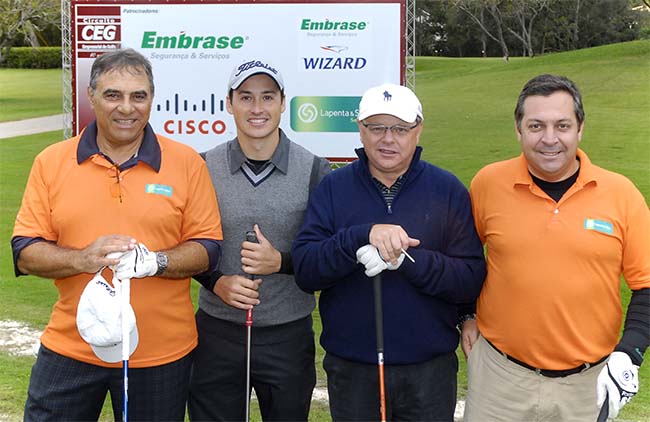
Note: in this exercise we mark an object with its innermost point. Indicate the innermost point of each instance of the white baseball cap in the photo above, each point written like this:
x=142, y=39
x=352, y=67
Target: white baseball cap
x=254, y=67
x=396, y=100
x=99, y=319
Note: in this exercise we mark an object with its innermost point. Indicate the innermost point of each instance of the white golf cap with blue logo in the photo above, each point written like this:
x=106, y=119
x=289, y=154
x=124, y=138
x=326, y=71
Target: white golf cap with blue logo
x=254, y=67
x=395, y=100
x=99, y=319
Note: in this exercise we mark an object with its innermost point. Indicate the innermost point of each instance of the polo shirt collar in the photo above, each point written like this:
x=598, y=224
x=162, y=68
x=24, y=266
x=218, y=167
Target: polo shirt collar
x=363, y=158
x=149, y=151
x=585, y=176
x=280, y=157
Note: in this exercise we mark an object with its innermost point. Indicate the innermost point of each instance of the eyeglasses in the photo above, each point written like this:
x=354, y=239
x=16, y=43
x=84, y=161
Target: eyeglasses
x=380, y=130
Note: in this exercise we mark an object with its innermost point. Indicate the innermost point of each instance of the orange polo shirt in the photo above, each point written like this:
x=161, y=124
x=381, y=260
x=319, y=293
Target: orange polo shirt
x=72, y=203
x=551, y=296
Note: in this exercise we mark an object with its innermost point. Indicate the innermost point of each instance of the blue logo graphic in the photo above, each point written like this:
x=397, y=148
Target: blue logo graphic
x=599, y=226
x=158, y=189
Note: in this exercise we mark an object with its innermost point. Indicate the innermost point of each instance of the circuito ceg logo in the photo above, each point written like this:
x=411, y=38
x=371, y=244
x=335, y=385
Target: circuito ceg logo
x=99, y=29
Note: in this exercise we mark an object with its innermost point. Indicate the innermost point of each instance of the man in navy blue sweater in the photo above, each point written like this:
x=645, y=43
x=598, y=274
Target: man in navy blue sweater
x=359, y=221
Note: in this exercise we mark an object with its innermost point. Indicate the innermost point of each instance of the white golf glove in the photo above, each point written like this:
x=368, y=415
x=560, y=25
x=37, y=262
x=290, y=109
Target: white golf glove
x=620, y=379
x=369, y=256
x=137, y=263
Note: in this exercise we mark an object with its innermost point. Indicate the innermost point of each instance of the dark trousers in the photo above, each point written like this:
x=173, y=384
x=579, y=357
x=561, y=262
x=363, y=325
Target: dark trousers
x=418, y=392
x=64, y=389
x=283, y=371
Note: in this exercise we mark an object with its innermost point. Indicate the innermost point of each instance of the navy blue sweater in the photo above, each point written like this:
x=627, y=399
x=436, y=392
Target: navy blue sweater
x=419, y=299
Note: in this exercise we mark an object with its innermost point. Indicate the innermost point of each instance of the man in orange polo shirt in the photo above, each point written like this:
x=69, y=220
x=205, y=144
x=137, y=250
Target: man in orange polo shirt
x=99, y=193
x=559, y=233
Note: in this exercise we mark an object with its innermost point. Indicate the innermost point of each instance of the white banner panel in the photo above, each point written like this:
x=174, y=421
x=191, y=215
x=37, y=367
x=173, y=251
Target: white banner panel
x=328, y=53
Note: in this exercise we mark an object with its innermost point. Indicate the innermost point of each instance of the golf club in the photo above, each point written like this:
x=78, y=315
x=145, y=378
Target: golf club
x=604, y=410
x=250, y=237
x=125, y=291
x=379, y=330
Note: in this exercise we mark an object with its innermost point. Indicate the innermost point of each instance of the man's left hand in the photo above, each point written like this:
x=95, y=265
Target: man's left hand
x=620, y=380
x=260, y=258
x=468, y=336
x=136, y=263
x=369, y=256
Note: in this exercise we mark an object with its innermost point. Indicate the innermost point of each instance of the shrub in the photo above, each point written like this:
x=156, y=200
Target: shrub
x=33, y=58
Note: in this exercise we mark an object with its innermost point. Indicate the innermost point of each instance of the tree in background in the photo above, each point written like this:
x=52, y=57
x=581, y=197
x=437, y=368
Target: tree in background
x=526, y=27
x=443, y=30
x=28, y=22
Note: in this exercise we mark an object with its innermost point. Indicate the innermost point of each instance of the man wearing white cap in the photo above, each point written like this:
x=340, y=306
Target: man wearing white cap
x=372, y=211
x=263, y=181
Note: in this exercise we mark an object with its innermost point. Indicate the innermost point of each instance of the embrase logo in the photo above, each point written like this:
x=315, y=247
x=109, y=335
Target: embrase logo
x=329, y=25
x=151, y=39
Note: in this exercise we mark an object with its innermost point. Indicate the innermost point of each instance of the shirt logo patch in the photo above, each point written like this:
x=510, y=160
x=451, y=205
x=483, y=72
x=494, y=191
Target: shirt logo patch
x=599, y=226
x=158, y=189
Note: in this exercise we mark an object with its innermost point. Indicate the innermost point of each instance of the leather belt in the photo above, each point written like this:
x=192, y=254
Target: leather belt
x=548, y=372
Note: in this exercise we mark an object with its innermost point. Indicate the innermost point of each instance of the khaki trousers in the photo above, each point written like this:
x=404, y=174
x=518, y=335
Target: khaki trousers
x=501, y=390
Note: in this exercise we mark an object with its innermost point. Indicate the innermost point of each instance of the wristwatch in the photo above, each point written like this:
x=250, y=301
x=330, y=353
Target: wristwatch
x=163, y=261
x=463, y=319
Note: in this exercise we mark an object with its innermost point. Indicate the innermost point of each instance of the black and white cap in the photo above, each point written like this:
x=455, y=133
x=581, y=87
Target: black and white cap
x=254, y=67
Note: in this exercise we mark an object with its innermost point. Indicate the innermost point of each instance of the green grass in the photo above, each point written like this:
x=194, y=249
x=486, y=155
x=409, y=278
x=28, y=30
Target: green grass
x=29, y=93
x=468, y=106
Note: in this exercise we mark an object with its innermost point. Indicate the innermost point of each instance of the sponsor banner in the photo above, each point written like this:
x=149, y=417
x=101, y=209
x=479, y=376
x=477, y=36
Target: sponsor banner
x=324, y=114
x=328, y=54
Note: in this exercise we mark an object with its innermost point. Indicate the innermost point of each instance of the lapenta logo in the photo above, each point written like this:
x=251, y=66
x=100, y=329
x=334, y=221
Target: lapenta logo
x=324, y=114
x=151, y=39
x=329, y=25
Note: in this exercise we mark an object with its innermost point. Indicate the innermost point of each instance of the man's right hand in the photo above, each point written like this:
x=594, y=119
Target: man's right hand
x=238, y=291
x=103, y=252
x=390, y=240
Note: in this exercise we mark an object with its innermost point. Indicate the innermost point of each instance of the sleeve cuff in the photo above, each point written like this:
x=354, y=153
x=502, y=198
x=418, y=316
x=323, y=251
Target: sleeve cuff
x=286, y=264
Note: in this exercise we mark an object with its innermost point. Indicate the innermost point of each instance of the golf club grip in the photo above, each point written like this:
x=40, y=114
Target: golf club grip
x=251, y=236
x=604, y=410
x=379, y=317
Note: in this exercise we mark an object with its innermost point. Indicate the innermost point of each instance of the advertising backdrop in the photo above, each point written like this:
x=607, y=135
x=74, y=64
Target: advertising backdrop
x=329, y=53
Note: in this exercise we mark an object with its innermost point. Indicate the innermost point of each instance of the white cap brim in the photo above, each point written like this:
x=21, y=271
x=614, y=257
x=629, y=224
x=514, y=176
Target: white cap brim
x=113, y=353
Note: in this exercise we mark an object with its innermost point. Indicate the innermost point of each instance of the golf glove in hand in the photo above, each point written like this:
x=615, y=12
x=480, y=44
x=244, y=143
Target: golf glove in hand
x=620, y=379
x=369, y=256
x=137, y=263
